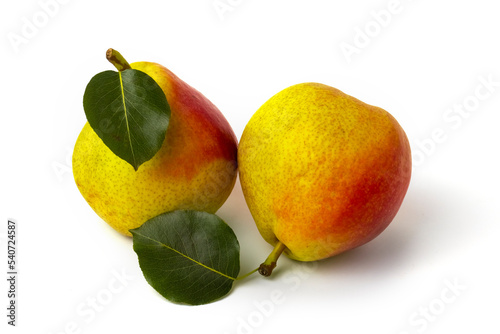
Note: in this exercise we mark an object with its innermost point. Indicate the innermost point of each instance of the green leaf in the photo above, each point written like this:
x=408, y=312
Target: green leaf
x=129, y=112
x=189, y=257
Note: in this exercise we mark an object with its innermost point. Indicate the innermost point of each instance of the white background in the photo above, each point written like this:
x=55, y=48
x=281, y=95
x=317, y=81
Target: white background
x=423, y=64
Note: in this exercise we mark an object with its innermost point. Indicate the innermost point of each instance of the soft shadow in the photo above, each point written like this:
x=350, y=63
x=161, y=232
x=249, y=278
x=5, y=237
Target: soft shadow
x=253, y=248
x=398, y=244
x=421, y=228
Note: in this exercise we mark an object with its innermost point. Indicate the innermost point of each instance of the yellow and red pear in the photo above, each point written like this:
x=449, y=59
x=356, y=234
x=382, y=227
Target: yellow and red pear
x=194, y=169
x=321, y=171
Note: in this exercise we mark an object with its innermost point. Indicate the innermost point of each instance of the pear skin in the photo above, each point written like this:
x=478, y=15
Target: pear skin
x=195, y=168
x=321, y=171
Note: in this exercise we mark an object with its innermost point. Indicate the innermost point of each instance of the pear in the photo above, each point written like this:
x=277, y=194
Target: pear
x=195, y=169
x=321, y=172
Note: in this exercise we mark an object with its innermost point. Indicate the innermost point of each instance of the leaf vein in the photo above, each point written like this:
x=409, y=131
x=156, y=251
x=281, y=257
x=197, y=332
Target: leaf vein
x=187, y=257
x=126, y=119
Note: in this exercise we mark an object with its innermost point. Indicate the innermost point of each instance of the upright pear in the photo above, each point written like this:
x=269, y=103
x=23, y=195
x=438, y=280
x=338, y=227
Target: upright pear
x=194, y=169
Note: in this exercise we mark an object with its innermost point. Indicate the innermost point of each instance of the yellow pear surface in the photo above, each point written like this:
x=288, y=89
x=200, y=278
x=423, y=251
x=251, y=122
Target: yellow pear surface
x=195, y=168
x=321, y=171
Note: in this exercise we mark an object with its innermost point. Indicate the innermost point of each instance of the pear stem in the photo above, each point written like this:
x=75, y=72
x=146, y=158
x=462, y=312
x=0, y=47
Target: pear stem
x=267, y=267
x=117, y=60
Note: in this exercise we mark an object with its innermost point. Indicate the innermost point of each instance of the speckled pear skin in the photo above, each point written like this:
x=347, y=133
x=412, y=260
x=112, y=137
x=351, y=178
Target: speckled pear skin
x=195, y=168
x=321, y=171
